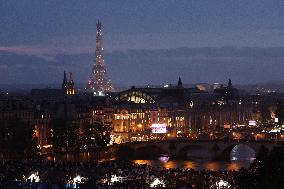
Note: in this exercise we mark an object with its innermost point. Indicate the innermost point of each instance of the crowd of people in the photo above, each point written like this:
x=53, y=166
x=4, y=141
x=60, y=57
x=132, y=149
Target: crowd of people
x=109, y=174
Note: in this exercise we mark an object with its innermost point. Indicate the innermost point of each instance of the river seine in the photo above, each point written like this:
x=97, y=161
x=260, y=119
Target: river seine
x=195, y=164
x=241, y=156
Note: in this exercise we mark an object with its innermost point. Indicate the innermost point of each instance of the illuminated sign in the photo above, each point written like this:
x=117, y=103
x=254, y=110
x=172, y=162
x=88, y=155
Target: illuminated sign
x=227, y=126
x=159, y=128
x=252, y=123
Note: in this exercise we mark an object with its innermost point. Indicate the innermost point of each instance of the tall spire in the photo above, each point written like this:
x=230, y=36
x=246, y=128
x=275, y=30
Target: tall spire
x=64, y=82
x=179, y=82
x=99, y=83
x=230, y=83
x=70, y=77
x=68, y=85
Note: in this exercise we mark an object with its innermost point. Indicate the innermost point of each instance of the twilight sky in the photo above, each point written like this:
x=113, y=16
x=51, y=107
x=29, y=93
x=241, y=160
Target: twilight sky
x=146, y=42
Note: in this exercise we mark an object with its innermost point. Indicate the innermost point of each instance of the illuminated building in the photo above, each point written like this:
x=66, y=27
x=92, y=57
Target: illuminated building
x=130, y=120
x=42, y=128
x=139, y=108
x=104, y=114
x=184, y=110
x=146, y=113
x=68, y=85
x=99, y=83
x=221, y=110
x=16, y=110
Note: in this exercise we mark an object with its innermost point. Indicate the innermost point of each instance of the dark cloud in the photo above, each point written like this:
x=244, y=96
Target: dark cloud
x=139, y=67
x=207, y=64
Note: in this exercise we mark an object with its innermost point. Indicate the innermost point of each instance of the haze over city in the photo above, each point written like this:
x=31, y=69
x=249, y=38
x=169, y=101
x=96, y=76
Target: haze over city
x=148, y=42
x=142, y=94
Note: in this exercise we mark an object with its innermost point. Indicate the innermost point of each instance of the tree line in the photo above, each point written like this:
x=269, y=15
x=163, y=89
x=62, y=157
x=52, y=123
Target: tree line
x=18, y=139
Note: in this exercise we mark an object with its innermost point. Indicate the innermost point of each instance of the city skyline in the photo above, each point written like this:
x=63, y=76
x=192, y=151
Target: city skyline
x=142, y=94
x=199, y=41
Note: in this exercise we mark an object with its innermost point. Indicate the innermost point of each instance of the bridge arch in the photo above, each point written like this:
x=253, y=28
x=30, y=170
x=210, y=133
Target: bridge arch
x=242, y=152
x=150, y=152
x=238, y=151
x=191, y=151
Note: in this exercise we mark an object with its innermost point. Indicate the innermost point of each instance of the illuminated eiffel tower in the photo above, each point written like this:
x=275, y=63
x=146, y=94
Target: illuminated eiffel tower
x=99, y=83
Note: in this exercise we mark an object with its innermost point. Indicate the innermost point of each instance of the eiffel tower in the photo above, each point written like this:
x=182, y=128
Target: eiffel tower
x=99, y=83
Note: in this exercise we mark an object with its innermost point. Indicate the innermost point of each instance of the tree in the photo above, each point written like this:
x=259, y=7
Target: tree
x=257, y=169
x=244, y=179
x=17, y=140
x=87, y=137
x=280, y=112
x=273, y=172
x=267, y=170
x=265, y=113
x=101, y=136
x=59, y=136
x=65, y=137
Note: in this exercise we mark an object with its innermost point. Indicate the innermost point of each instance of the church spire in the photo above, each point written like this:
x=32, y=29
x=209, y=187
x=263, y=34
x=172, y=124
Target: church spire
x=68, y=85
x=64, y=76
x=230, y=83
x=64, y=82
x=70, y=77
x=179, y=82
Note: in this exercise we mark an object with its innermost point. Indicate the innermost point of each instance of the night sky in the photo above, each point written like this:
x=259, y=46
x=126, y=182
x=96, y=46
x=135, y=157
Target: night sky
x=146, y=42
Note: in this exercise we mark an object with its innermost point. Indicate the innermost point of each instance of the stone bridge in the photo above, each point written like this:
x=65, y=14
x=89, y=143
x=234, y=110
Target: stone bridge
x=191, y=149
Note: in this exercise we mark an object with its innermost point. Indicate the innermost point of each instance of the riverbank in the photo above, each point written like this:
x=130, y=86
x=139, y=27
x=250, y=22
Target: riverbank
x=44, y=174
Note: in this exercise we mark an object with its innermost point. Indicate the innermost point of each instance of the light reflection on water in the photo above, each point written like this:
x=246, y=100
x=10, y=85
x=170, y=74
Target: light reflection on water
x=242, y=152
x=236, y=165
x=190, y=165
x=199, y=165
x=241, y=157
x=212, y=165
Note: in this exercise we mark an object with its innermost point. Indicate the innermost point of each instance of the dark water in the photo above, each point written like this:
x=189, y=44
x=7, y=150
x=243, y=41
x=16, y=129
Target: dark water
x=198, y=165
x=241, y=157
x=189, y=164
